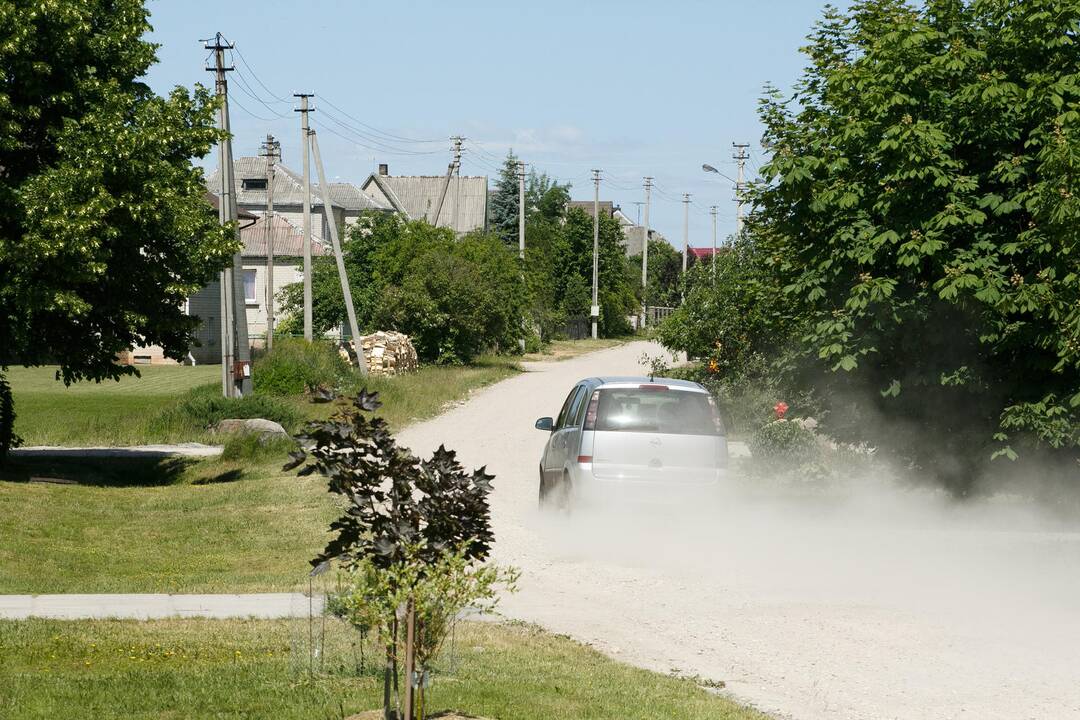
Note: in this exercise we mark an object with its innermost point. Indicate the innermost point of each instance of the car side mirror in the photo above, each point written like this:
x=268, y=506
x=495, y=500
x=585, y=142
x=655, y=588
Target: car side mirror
x=545, y=423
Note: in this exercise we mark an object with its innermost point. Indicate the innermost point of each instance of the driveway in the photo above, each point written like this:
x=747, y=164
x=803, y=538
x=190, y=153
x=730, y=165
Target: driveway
x=874, y=603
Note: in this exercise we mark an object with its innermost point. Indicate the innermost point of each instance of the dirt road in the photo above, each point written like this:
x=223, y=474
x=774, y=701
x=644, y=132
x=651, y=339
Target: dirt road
x=873, y=604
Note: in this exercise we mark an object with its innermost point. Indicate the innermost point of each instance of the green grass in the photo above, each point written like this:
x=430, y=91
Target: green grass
x=106, y=413
x=144, y=525
x=257, y=669
x=138, y=411
x=566, y=349
x=221, y=525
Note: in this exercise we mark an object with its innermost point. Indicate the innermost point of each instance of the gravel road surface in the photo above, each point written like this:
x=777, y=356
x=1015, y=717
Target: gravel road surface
x=870, y=604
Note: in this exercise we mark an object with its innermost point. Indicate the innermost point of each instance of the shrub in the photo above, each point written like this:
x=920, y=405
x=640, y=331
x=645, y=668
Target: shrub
x=202, y=408
x=294, y=365
x=784, y=442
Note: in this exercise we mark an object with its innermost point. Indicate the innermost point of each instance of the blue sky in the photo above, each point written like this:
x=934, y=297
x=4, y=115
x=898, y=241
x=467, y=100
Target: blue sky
x=631, y=87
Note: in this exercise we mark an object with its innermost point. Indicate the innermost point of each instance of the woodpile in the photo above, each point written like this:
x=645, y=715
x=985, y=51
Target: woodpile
x=389, y=353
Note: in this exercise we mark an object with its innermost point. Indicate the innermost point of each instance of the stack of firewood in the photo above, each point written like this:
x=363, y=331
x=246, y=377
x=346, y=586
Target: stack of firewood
x=388, y=353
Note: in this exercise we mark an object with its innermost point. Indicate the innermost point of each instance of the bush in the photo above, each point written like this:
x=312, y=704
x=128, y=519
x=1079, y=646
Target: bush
x=784, y=442
x=204, y=407
x=294, y=365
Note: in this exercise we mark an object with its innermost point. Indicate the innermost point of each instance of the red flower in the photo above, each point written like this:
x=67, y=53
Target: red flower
x=780, y=409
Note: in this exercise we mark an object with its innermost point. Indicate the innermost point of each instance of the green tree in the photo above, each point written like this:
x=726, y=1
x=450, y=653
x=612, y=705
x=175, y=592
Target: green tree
x=456, y=297
x=616, y=285
x=104, y=230
x=920, y=211
x=665, y=271
x=505, y=202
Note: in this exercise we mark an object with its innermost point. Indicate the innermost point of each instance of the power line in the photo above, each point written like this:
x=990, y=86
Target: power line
x=254, y=75
x=372, y=128
x=381, y=145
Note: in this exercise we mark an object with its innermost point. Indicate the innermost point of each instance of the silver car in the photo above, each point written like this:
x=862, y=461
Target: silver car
x=619, y=438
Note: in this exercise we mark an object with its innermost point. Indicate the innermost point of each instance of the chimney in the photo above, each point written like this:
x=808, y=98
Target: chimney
x=384, y=169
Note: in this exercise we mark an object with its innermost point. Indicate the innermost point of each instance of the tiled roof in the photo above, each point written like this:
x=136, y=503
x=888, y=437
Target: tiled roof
x=287, y=238
x=417, y=196
x=289, y=187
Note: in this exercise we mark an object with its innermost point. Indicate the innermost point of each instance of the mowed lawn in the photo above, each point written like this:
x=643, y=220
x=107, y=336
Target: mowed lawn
x=259, y=669
x=107, y=413
x=229, y=524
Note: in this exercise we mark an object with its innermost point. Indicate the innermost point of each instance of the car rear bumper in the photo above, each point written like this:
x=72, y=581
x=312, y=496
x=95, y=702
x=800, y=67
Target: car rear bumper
x=606, y=491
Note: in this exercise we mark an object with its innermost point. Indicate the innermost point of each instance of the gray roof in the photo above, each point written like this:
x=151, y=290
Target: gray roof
x=287, y=239
x=289, y=188
x=607, y=207
x=417, y=196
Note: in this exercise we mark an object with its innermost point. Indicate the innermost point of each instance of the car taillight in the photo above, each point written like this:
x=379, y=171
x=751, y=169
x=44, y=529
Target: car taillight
x=717, y=421
x=654, y=387
x=590, y=414
x=584, y=458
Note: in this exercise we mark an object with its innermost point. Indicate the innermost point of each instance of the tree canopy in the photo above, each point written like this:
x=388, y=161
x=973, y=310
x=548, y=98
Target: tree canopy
x=104, y=229
x=919, y=219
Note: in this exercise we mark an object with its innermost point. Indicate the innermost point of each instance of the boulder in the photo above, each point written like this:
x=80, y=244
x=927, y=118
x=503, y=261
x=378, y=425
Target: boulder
x=265, y=429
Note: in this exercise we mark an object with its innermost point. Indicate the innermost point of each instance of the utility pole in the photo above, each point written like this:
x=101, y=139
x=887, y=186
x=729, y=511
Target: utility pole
x=236, y=353
x=740, y=158
x=458, y=140
x=595, y=309
x=331, y=222
x=271, y=151
x=712, y=211
x=645, y=255
x=521, y=209
x=521, y=230
x=685, y=229
x=305, y=132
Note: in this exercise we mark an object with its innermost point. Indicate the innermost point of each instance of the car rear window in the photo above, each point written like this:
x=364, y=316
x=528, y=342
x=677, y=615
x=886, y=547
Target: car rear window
x=657, y=410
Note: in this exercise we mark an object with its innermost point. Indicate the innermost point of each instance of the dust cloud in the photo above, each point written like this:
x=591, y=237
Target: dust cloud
x=993, y=580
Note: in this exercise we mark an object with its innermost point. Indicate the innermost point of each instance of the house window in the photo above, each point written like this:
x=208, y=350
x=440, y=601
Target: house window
x=249, y=288
x=254, y=183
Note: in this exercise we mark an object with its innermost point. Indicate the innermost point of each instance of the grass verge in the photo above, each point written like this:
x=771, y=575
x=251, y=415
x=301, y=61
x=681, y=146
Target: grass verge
x=171, y=403
x=566, y=349
x=258, y=669
x=234, y=523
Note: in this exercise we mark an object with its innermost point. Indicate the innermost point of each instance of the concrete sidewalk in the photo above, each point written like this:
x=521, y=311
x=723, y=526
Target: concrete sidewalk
x=157, y=606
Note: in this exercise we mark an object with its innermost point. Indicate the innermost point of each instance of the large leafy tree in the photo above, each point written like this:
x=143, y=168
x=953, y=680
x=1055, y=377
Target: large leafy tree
x=920, y=209
x=104, y=230
x=616, y=281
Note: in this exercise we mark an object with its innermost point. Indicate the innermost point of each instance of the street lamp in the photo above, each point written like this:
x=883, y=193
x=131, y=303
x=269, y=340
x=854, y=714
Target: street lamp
x=738, y=193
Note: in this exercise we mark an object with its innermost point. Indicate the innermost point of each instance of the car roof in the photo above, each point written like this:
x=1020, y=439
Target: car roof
x=642, y=380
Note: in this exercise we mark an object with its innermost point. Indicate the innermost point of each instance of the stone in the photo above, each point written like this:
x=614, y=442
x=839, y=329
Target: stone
x=266, y=429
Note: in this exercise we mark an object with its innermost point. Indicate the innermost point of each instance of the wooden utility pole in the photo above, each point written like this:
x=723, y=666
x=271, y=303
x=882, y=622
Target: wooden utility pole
x=645, y=255
x=305, y=142
x=594, y=311
x=272, y=152
x=346, y=291
x=236, y=353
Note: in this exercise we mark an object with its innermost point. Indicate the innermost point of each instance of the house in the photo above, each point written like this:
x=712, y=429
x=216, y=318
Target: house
x=607, y=207
x=632, y=232
x=416, y=197
x=287, y=240
x=348, y=201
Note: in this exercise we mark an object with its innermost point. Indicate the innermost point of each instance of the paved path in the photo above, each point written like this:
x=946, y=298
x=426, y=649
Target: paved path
x=154, y=606
x=133, y=451
x=876, y=605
